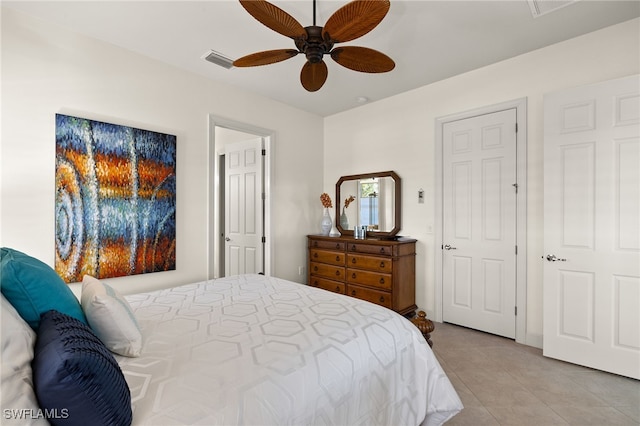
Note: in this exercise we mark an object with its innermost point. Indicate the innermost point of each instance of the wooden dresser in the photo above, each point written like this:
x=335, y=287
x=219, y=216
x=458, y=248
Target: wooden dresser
x=379, y=271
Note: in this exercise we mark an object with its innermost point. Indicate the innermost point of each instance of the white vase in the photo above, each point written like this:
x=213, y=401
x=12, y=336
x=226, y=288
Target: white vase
x=334, y=231
x=326, y=223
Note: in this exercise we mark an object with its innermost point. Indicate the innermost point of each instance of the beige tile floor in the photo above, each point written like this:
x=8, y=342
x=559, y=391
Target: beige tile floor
x=501, y=382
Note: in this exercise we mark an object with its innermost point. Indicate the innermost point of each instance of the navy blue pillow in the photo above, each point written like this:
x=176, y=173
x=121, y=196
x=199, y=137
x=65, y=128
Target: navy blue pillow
x=76, y=377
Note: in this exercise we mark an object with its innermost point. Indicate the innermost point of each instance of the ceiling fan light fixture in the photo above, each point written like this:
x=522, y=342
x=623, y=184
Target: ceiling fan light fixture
x=218, y=59
x=350, y=22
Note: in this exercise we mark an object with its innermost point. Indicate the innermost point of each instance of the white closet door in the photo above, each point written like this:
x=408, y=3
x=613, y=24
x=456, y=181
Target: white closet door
x=479, y=222
x=592, y=226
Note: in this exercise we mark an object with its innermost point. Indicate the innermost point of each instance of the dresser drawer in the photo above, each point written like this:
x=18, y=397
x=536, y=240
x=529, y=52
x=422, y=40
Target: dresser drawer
x=373, y=279
x=331, y=245
x=329, y=285
x=370, y=249
x=371, y=263
x=378, y=297
x=327, y=271
x=331, y=257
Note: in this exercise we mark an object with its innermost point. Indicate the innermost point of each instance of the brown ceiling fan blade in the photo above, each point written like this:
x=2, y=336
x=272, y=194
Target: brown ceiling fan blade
x=313, y=75
x=355, y=19
x=362, y=59
x=274, y=17
x=265, y=58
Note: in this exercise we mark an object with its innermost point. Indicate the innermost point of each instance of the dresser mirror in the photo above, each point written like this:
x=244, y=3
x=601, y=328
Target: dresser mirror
x=372, y=200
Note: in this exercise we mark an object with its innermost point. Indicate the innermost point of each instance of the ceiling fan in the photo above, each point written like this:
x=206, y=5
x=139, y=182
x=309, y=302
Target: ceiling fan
x=351, y=21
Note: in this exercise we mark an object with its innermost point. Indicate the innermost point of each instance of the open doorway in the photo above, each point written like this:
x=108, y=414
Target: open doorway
x=234, y=248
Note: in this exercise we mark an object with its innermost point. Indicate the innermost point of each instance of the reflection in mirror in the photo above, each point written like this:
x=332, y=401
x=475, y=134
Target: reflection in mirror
x=371, y=200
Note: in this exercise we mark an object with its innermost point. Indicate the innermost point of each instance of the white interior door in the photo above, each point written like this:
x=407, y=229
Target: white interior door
x=243, y=208
x=479, y=222
x=592, y=226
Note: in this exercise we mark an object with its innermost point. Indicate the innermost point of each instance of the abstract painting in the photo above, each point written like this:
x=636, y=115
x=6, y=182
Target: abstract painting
x=115, y=204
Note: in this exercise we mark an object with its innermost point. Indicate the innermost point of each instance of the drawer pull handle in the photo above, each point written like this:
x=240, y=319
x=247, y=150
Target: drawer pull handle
x=381, y=280
x=337, y=289
x=315, y=269
x=353, y=292
x=315, y=255
x=381, y=299
x=315, y=244
x=382, y=264
x=382, y=250
x=338, y=246
x=337, y=273
x=353, y=260
x=338, y=258
x=353, y=275
x=353, y=248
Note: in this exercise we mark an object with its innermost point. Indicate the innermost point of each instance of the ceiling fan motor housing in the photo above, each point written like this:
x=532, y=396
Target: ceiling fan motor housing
x=314, y=46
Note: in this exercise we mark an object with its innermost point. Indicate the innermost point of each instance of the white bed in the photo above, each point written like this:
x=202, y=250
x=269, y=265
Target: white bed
x=254, y=350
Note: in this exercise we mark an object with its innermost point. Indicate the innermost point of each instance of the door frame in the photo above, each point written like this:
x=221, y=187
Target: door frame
x=520, y=106
x=213, y=189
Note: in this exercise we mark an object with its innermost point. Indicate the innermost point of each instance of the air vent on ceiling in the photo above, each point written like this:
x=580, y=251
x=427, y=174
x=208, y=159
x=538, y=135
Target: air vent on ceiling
x=542, y=7
x=218, y=59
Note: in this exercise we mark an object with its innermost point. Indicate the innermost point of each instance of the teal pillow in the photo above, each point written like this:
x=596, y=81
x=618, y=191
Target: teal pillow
x=33, y=288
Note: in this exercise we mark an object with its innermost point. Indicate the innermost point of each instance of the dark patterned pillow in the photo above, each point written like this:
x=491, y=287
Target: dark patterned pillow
x=76, y=377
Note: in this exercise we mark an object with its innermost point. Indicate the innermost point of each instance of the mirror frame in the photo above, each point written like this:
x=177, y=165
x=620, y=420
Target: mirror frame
x=397, y=207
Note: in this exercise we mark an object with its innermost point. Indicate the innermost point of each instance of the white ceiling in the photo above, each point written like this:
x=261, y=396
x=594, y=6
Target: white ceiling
x=428, y=40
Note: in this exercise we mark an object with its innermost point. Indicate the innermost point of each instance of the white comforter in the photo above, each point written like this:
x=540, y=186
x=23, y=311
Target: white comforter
x=252, y=350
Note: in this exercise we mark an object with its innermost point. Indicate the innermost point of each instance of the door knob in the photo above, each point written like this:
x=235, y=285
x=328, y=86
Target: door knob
x=553, y=258
x=448, y=247
x=227, y=239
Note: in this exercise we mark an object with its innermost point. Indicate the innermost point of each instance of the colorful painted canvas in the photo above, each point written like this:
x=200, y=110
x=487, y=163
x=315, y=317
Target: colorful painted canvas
x=115, y=205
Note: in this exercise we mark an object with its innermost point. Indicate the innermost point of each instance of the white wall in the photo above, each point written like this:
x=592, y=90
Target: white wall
x=398, y=134
x=48, y=70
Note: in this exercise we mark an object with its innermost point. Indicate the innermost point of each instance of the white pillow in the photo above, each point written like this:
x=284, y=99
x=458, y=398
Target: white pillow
x=18, y=399
x=111, y=318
